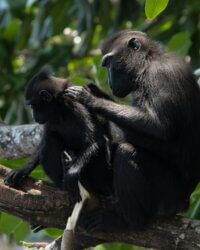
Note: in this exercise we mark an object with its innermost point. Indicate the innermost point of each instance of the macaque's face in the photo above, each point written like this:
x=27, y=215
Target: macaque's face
x=42, y=93
x=123, y=55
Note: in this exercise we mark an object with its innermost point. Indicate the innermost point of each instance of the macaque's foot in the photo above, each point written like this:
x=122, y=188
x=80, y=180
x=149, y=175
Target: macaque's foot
x=15, y=177
x=103, y=221
x=70, y=184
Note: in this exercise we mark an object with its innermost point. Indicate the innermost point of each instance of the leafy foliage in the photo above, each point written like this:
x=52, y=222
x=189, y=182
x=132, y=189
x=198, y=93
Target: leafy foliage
x=62, y=35
x=65, y=36
x=176, y=43
x=14, y=227
x=117, y=246
x=155, y=7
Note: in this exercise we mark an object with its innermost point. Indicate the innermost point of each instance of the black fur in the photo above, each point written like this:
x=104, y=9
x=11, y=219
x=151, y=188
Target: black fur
x=158, y=165
x=68, y=126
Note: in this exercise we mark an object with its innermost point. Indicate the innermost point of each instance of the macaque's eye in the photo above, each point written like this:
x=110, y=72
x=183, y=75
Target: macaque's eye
x=134, y=43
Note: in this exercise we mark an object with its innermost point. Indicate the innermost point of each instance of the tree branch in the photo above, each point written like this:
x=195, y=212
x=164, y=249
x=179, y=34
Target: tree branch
x=19, y=141
x=39, y=202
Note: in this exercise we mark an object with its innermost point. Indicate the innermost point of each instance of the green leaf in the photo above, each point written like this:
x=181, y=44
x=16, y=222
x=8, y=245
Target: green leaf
x=26, y=244
x=13, y=226
x=21, y=231
x=180, y=43
x=126, y=247
x=13, y=163
x=8, y=223
x=155, y=7
x=30, y=3
x=78, y=80
x=12, y=29
x=53, y=232
x=38, y=173
x=108, y=246
x=114, y=246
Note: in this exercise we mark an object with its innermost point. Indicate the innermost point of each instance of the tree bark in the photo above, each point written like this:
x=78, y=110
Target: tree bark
x=38, y=202
x=19, y=141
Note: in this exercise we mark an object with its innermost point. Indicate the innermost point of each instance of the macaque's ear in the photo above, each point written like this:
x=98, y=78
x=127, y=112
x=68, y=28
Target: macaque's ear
x=134, y=43
x=45, y=95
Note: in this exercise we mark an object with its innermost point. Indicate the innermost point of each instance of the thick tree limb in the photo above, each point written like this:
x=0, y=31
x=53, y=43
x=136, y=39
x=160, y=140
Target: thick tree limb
x=40, y=203
x=19, y=141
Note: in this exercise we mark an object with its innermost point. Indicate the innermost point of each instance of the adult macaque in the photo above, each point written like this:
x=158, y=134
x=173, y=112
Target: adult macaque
x=158, y=165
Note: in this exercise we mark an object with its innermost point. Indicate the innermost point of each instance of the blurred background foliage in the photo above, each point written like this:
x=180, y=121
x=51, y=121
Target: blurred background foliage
x=65, y=36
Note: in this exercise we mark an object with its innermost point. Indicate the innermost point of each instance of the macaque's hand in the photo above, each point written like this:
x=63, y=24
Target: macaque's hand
x=15, y=177
x=80, y=94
